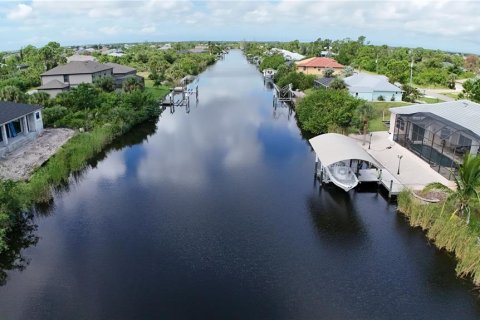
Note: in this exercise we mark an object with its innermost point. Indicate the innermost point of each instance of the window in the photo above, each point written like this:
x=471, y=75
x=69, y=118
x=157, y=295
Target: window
x=37, y=115
x=417, y=133
x=304, y=68
x=66, y=78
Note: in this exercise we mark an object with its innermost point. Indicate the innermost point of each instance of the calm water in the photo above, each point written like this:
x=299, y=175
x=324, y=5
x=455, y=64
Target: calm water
x=213, y=214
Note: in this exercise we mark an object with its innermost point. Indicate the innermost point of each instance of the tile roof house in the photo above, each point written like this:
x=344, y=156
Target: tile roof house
x=439, y=133
x=19, y=124
x=317, y=66
x=372, y=87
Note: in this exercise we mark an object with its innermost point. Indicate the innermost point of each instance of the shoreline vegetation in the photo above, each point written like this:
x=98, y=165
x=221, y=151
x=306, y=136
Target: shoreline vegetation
x=447, y=232
x=99, y=114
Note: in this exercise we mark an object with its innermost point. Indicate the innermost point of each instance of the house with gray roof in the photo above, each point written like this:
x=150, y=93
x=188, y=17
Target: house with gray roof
x=70, y=75
x=372, y=87
x=19, y=124
x=121, y=72
x=440, y=133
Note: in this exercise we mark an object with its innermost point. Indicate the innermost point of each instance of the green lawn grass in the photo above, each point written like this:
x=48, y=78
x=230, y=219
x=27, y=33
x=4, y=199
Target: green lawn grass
x=451, y=95
x=382, y=113
x=430, y=100
x=157, y=92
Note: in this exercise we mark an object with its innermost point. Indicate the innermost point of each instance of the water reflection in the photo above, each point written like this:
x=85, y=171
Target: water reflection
x=20, y=237
x=335, y=216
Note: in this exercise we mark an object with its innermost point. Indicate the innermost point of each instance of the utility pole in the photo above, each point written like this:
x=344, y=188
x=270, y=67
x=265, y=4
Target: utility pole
x=411, y=68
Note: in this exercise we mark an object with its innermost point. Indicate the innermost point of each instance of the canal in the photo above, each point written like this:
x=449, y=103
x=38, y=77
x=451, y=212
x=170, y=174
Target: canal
x=213, y=214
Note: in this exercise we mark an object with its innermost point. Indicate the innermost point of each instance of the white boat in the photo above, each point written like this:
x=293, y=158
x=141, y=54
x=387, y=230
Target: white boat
x=342, y=176
x=269, y=73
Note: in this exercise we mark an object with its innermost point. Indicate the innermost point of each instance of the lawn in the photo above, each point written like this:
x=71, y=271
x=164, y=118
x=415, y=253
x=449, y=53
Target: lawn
x=451, y=94
x=382, y=114
x=157, y=92
x=430, y=100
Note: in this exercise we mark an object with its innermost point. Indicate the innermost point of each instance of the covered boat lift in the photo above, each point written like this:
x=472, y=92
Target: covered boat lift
x=342, y=161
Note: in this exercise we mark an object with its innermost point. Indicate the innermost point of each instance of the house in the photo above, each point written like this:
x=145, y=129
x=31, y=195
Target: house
x=19, y=123
x=81, y=57
x=287, y=55
x=372, y=88
x=72, y=74
x=121, y=72
x=318, y=65
x=323, y=83
x=166, y=46
x=439, y=133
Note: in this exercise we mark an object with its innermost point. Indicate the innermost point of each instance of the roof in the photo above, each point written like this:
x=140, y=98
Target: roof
x=77, y=67
x=80, y=57
x=325, y=82
x=320, y=62
x=464, y=113
x=120, y=68
x=54, y=84
x=288, y=54
x=11, y=110
x=362, y=82
x=334, y=147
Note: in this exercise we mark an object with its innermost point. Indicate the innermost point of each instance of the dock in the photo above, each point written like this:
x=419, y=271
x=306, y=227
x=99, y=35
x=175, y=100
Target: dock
x=401, y=168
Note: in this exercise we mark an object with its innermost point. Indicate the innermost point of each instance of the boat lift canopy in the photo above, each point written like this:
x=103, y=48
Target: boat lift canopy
x=334, y=147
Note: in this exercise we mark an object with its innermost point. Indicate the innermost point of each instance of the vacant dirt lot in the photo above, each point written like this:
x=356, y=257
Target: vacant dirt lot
x=20, y=164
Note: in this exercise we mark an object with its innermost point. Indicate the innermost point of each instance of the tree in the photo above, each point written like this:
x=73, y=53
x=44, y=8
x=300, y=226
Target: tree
x=467, y=184
x=328, y=73
x=131, y=84
x=397, y=71
x=106, y=84
x=471, y=90
x=471, y=63
x=272, y=62
x=364, y=113
x=39, y=98
x=410, y=94
x=12, y=93
x=325, y=110
x=338, y=84
x=348, y=71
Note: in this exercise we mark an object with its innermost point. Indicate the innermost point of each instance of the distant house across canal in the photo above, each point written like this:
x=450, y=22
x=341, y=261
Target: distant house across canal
x=372, y=88
x=318, y=65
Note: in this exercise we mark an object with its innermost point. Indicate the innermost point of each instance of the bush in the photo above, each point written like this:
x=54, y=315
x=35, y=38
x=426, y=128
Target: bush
x=299, y=81
x=327, y=110
x=381, y=98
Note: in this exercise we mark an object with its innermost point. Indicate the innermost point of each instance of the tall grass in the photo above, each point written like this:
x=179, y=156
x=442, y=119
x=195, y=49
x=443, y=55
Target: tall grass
x=446, y=231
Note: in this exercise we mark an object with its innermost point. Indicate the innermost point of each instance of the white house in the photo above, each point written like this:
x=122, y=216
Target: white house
x=19, y=123
x=288, y=55
x=439, y=133
x=372, y=88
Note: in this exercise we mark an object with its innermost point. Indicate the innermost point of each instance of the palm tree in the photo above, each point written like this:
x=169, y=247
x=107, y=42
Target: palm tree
x=468, y=185
x=365, y=112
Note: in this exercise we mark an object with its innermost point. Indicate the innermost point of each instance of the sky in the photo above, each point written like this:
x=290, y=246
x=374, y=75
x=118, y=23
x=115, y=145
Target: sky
x=440, y=24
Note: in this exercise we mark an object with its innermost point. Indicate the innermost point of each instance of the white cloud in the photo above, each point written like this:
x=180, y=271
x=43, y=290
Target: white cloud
x=444, y=22
x=111, y=31
x=21, y=11
x=148, y=29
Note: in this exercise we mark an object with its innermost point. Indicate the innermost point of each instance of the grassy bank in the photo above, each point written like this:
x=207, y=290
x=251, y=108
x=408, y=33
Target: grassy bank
x=447, y=231
x=381, y=113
